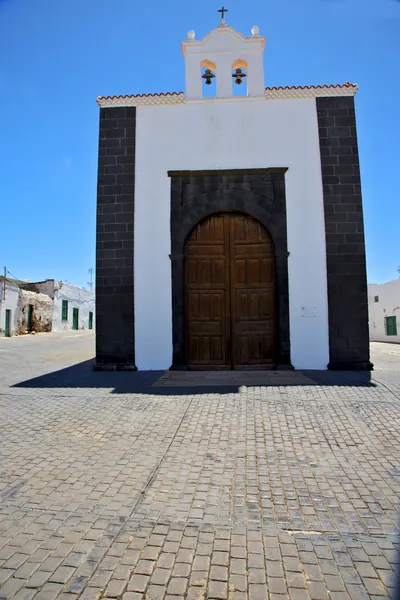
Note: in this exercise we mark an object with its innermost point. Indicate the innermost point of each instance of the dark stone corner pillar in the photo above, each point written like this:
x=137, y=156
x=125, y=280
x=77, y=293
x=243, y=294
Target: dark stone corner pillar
x=344, y=230
x=115, y=324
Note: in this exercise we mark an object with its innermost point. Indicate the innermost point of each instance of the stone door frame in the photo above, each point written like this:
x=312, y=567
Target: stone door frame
x=196, y=195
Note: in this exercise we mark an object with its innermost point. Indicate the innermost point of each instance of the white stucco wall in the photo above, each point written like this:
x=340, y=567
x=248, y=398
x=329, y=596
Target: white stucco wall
x=10, y=303
x=78, y=298
x=228, y=134
x=388, y=305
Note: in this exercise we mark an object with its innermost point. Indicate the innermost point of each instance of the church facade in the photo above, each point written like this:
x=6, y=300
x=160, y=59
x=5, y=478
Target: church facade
x=230, y=227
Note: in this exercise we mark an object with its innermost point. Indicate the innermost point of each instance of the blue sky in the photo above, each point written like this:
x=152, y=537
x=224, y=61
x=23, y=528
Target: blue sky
x=56, y=57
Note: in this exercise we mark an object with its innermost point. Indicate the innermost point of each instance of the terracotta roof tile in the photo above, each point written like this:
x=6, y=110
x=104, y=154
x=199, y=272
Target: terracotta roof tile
x=280, y=92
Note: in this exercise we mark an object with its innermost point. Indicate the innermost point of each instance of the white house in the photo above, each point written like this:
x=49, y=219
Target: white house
x=44, y=306
x=72, y=307
x=384, y=311
x=229, y=222
x=9, y=310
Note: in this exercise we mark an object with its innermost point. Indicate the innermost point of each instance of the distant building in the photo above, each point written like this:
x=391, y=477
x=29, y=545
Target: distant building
x=9, y=295
x=41, y=306
x=384, y=311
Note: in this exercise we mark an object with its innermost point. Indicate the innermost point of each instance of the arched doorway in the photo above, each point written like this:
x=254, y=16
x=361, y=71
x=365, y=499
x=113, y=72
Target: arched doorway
x=229, y=294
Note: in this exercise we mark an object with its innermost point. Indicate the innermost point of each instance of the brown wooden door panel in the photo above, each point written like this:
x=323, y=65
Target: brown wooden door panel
x=230, y=294
x=206, y=306
x=253, y=350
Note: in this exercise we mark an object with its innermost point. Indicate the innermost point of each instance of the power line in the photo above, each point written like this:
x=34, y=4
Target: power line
x=9, y=272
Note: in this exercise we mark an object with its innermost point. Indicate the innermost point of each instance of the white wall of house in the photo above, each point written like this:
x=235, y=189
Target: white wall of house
x=76, y=297
x=383, y=301
x=9, y=303
x=240, y=133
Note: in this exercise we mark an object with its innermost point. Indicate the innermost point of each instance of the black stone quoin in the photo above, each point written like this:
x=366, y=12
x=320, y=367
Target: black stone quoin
x=344, y=229
x=115, y=318
x=196, y=195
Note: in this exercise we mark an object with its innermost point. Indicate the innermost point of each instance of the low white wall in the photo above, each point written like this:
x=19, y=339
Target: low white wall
x=78, y=298
x=230, y=134
x=10, y=303
x=388, y=305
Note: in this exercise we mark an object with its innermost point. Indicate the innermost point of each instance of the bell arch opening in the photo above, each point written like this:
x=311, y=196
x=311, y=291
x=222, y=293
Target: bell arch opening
x=239, y=77
x=208, y=78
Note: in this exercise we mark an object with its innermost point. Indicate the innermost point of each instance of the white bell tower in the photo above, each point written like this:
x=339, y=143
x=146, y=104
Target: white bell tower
x=224, y=51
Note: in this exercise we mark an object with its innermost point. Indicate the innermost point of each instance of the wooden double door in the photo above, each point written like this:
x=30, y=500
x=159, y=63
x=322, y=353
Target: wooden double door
x=230, y=294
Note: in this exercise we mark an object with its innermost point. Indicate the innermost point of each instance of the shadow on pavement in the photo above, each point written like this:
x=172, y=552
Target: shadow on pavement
x=82, y=375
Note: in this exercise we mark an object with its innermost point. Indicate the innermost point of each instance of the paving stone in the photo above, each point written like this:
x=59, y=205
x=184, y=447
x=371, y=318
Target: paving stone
x=138, y=583
x=334, y=583
x=218, y=589
x=220, y=558
x=11, y=587
x=5, y=574
x=61, y=575
x=25, y=594
x=258, y=592
x=160, y=576
x=145, y=567
x=256, y=576
x=374, y=587
x=38, y=579
x=177, y=586
x=166, y=561
x=274, y=568
x=357, y=592
x=181, y=570
x=49, y=591
x=238, y=582
x=295, y=580
x=115, y=588
x=195, y=593
x=317, y=591
x=198, y=578
x=365, y=570
x=255, y=561
x=277, y=585
x=156, y=592
x=297, y=594
x=92, y=593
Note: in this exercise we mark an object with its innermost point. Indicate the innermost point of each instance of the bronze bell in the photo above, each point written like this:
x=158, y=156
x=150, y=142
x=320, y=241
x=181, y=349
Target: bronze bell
x=238, y=74
x=208, y=76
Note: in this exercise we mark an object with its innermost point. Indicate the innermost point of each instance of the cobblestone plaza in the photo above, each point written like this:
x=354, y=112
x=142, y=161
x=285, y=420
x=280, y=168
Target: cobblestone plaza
x=142, y=485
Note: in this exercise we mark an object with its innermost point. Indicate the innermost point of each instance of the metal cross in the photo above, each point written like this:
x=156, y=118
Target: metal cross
x=223, y=11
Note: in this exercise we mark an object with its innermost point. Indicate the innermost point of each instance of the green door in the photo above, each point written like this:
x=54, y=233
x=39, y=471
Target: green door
x=391, y=326
x=7, y=329
x=75, y=318
x=29, y=318
x=90, y=320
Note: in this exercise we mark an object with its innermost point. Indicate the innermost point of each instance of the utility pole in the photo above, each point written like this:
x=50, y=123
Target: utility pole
x=90, y=283
x=4, y=284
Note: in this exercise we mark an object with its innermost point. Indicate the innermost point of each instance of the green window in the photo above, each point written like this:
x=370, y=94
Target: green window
x=391, y=326
x=64, y=310
x=90, y=320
